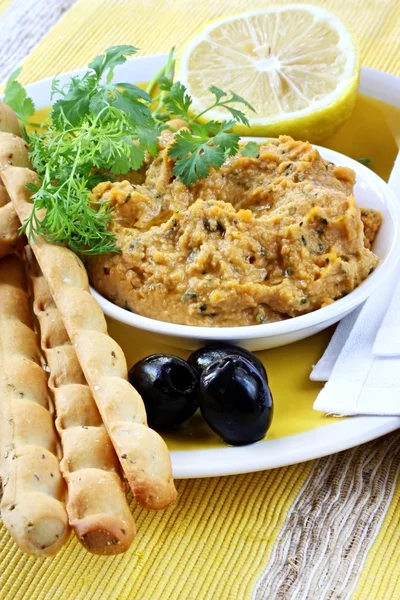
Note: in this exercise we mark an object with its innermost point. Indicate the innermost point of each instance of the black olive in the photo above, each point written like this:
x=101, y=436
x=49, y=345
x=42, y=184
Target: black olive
x=169, y=388
x=235, y=400
x=203, y=357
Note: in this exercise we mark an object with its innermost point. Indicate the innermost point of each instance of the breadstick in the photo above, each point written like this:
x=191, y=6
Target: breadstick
x=143, y=453
x=32, y=506
x=13, y=151
x=4, y=197
x=96, y=503
x=10, y=240
x=8, y=120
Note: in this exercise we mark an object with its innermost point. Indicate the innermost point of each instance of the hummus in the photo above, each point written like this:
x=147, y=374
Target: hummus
x=259, y=240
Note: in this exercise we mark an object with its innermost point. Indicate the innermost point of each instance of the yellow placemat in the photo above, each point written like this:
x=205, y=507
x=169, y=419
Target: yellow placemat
x=4, y=4
x=156, y=25
x=251, y=536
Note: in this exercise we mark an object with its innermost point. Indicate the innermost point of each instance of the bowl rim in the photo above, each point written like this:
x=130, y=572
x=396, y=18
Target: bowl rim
x=327, y=314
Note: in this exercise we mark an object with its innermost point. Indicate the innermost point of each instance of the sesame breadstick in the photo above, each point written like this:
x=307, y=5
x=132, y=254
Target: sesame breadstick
x=10, y=240
x=32, y=506
x=9, y=120
x=96, y=503
x=13, y=151
x=4, y=197
x=142, y=452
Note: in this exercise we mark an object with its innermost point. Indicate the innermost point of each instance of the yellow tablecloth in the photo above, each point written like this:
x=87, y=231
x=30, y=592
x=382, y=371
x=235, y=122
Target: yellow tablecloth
x=156, y=25
x=287, y=533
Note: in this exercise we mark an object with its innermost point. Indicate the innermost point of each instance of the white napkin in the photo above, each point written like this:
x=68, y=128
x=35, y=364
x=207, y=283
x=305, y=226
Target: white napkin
x=362, y=362
x=323, y=369
x=387, y=341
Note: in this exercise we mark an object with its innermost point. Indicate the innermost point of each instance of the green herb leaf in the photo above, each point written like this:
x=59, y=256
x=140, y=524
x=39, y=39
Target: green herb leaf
x=240, y=100
x=185, y=143
x=15, y=97
x=228, y=141
x=365, y=160
x=83, y=224
x=68, y=161
x=207, y=144
x=198, y=164
x=217, y=92
x=126, y=103
x=209, y=128
x=129, y=104
x=195, y=157
x=75, y=102
x=238, y=115
x=113, y=56
x=148, y=138
x=251, y=149
x=178, y=101
x=223, y=100
x=129, y=158
x=134, y=90
x=86, y=93
x=165, y=83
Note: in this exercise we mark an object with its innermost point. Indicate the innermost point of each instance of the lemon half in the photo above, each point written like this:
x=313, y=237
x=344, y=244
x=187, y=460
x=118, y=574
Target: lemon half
x=297, y=65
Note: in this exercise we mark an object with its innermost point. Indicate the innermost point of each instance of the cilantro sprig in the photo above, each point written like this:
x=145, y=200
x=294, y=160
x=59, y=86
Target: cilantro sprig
x=100, y=128
x=16, y=97
x=95, y=91
x=203, y=145
x=365, y=160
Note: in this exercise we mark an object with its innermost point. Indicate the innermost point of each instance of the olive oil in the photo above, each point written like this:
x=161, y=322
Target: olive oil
x=373, y=131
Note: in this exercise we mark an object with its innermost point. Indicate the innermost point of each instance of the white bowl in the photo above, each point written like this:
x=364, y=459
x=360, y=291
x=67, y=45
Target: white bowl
x=370, y=192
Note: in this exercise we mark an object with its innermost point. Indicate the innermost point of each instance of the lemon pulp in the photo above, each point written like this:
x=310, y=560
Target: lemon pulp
x=297, y=65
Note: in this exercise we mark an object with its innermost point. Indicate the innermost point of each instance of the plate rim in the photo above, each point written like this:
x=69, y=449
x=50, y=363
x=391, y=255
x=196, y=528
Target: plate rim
x=314, y=443
x=292, y=449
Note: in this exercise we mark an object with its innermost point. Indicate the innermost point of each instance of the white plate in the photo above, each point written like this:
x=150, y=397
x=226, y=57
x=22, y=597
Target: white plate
x=370, y=191
x=286, y=450
x=283, y=451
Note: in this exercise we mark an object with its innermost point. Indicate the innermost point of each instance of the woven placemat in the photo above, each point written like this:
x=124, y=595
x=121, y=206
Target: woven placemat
x=23, y=23
x=322, y=530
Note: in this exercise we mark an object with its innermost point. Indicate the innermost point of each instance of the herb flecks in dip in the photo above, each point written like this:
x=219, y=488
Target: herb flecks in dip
x=259, y=240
